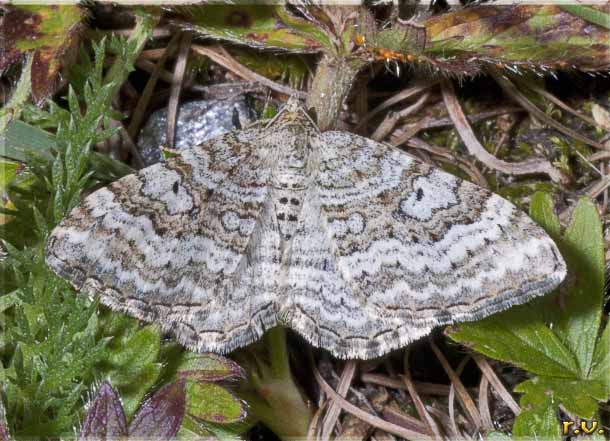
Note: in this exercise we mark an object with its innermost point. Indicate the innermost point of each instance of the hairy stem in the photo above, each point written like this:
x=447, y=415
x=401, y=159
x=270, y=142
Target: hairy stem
x=331, y=84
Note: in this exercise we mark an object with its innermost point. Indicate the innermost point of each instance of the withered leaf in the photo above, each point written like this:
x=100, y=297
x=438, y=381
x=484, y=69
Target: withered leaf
x=46, y=32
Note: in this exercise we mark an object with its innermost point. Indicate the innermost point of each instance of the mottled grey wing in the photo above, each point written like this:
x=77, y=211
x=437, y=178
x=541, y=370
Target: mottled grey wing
x=179, y=243
x=392, y=247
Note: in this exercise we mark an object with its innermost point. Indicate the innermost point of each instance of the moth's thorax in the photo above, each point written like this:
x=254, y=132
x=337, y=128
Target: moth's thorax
x=291, y=177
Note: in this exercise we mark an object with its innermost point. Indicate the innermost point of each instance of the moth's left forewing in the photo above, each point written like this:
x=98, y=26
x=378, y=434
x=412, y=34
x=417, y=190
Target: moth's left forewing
x=422, y=247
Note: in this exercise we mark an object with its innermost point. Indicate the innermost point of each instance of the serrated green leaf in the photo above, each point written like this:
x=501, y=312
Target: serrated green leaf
x=583, y=249
x=517, y=336
x=213, y=403
x=600, y=365
x=538, y=418
x=579, y=397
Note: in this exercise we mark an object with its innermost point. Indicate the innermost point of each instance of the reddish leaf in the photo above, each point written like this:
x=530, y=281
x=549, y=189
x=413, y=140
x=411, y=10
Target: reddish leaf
x=161, y=415
x=48, y=32
x=105, y=418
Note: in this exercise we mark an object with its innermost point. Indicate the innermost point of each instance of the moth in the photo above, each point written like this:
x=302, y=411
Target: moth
x=353, y=244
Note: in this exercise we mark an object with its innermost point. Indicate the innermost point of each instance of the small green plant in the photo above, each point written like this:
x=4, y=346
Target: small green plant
x=55, y=344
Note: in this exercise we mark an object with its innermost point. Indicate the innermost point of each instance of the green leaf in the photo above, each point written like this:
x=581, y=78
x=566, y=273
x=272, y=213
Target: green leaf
x=591, y=15
x=537, y=419
x=600, y=365
x=8, y=170
x=130, y=361
x=518, y=337
x=555, y=338
x=583, y=248
x=208, y=367
x=257, y=26
x=541, y=209
x=213, y=403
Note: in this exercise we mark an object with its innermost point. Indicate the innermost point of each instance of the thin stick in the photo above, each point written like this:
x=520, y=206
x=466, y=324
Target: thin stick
x=138, y=113
x=365, y=416
x=496, y=383
x=394, y=383
x=419, y=404
x=475, y=148
x=388, y=124
x=463, y=395
x=176, y=88
x=484, y=404
x=394, y=99
x=334, y=411
x=222, y=57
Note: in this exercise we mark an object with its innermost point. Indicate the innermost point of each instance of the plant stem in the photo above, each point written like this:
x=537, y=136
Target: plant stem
x=331, y=84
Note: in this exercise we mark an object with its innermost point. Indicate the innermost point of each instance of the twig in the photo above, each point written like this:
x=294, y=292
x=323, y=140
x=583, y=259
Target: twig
x=484, y=404
x=402, y=419
x=390, y=121
x=138, y=113
x=451, y=397
x=436, y=123
x=394, y=383
x=419, y=405
x=511, y=90
x=476, y=149
x=465, y=400
x=176, y=88
x=365, y=416
x=313, y=432
x=489, y=373
x=394, y=99
x=335, y=409
x=222, y=57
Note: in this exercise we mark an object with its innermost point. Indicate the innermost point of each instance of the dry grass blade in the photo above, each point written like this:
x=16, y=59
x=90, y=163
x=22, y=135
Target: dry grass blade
x=220, y=56
x=332, y=416
x=475, y=148
x=313, y=433
x=451, y=397
x=511, y=90
x=493, y=379
x=599, y=156
x=401, y=96
x=484, y=404
x=388, y=124
x=395, y=416
x=435, y=123
x=394, y=383
x=419, y=404
x=365, y=416
x=464, y=398
x=139, y=112
x=176, y=88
